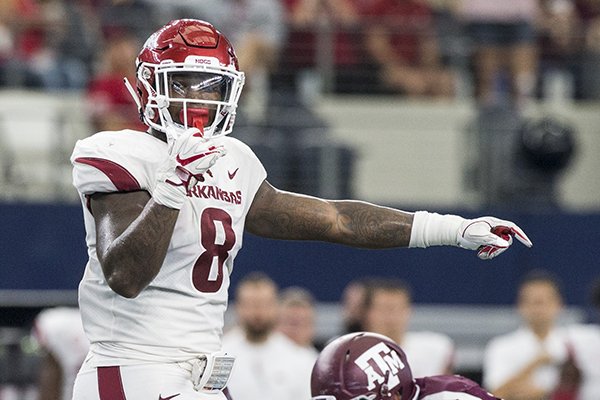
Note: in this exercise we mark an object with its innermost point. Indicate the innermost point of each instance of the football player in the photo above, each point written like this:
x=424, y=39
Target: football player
x=64, y=346
x=165, y=212
x=370, y=366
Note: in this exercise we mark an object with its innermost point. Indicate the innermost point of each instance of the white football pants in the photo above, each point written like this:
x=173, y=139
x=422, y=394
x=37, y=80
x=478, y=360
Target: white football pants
x=138, y=382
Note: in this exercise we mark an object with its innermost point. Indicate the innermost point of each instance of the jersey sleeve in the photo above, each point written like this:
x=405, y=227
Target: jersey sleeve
x=121, y=161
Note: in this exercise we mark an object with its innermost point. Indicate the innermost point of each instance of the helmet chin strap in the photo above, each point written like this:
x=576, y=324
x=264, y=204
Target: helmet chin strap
x=133, y=94
x=172, y=130
x=385, y=389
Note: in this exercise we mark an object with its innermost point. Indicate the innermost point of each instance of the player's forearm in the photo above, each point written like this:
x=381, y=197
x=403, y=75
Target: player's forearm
x=366, y=225
x=135, y=257
x=353, y=223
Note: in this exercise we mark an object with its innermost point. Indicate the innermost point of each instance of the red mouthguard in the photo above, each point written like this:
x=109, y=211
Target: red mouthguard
x=196, y=117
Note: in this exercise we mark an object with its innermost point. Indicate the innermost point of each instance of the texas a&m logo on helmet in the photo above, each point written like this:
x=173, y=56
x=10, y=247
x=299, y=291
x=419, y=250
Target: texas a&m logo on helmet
x=363, y=365
x=381, y=365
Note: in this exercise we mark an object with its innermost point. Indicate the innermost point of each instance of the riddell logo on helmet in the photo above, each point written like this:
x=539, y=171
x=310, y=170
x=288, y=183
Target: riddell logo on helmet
x=202, y=60
x=386, y=361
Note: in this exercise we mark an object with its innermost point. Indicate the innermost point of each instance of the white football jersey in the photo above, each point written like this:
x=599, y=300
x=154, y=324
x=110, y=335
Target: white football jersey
x=59, y=331
x=585, y=342
x=429, y=353
x=180, y=314
x=275, y=369
x=507, y=354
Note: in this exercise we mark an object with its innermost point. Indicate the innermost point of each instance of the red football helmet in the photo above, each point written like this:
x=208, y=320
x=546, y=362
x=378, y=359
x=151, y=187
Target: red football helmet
x=187, y=75
x=362, y=366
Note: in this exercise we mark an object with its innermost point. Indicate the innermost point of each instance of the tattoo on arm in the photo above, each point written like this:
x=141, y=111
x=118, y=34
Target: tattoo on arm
x=368, y=225
x=353, y=223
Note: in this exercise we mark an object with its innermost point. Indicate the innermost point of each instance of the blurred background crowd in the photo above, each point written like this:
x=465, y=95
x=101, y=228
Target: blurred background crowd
x=468, y=105
x=422, y=48
x=309, y=66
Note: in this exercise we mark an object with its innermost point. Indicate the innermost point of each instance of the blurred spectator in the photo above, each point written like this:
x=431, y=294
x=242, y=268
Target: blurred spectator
x=51, y=43
x=525, y=364
x=560, y=40
x=64, y=346
x=255, y=27
x=19, y=361
x=503, y=39
x=22, y=24
x=388, y=309
x=297, y=316
x=110, y=104
x=324, y=50
x=268, y=365
x=257, y=31
x=402, y=40
x=589, y=12
x=135, y=17
x=353, y=304
x=584, y=340
x=71, y=41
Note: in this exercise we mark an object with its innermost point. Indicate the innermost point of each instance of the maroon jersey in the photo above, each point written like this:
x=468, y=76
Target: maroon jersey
x=453, y=387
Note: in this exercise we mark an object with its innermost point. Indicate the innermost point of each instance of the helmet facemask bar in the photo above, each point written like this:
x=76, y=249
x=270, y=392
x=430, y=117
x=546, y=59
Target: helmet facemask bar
x=166, y=95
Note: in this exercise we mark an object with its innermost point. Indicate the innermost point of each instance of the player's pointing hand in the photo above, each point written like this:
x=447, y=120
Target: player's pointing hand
x=490, y=236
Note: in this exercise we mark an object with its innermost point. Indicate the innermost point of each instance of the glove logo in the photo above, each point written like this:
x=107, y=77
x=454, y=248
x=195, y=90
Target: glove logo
x=188, y=160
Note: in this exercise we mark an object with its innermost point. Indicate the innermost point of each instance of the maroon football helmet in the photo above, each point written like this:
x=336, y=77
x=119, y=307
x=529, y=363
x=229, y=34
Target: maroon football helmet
x=362, y=366
x=176, y=68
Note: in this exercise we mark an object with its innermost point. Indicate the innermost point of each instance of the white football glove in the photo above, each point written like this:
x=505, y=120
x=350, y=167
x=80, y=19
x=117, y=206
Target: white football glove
x=488, y=235
x=189, y=156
